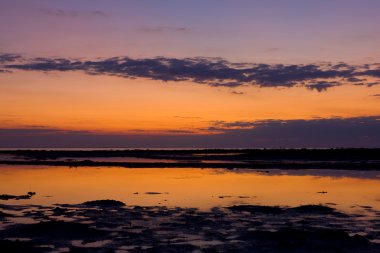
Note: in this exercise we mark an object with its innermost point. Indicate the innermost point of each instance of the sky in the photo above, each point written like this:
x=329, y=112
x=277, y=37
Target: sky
x=189, y=74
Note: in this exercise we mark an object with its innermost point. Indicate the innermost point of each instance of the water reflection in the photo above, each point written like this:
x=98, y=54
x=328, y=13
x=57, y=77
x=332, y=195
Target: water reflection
x=329, y=173
x=199, y=188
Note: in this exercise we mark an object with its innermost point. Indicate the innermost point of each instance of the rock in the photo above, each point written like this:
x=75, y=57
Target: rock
x=59, y=211
x=17, y=197
x=314, y=209
x=172, y=248
x=313, y=240
x=256, y=209
x=54, y=230
x=7, y=246
x=104, y=203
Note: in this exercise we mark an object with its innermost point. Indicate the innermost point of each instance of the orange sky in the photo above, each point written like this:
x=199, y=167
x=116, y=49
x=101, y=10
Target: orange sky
x=77, y=101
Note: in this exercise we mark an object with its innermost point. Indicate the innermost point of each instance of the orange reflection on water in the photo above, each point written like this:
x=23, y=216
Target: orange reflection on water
x=200, y=188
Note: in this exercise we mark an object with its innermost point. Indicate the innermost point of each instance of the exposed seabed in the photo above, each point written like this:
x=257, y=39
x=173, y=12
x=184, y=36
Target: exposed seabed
x=112, y=226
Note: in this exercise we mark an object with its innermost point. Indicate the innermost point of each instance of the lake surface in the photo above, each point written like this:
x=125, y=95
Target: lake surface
x=348, y=191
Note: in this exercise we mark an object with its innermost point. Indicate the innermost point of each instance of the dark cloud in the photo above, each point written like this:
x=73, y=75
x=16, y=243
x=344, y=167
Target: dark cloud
x=72, y=13
x=7, y=58
x=372, y=72
x=376, y=95
x=355, y=80
x=321, y=85
x=37, y=130
x=319, y=133
x=214, y=72
x=369, y=84
x=314, y=133
x=336, y=121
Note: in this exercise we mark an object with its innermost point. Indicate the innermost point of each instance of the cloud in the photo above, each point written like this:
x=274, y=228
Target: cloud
x=227, y=84
x=321, y=85
x=37, y=130
x=237, y=92
x=330, y=132
x=372, y=72
x=6, y=58
x=376, y=95
x=336, y=121
x=355, y=80
x=98, y=13
x=313, y=133
x=214, y=72
x=72, y=13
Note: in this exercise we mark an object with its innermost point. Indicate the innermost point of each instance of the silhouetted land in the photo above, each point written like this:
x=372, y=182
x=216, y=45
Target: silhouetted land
x=368, y=159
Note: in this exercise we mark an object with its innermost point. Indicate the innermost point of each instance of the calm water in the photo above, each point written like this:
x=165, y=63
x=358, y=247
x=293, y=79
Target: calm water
x=199, y=188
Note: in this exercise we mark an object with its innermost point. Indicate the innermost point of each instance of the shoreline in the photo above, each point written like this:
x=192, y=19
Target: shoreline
x=360, y=165
x=347, y=159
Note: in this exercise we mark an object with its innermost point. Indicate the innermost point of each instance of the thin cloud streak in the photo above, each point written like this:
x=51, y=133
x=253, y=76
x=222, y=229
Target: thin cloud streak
x=72, y=13
x=160, y=29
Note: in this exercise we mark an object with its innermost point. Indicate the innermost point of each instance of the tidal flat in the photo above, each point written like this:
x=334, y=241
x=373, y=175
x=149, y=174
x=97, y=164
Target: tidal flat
x=51, y=208
x=112, y=226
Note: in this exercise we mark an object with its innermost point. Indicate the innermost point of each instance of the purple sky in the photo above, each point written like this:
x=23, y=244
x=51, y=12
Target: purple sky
x=279, y=31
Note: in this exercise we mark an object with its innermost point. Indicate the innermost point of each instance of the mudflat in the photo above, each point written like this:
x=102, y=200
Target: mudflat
x=112, y=226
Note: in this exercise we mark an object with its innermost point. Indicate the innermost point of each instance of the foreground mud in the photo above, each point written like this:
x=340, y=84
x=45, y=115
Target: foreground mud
x=111, y=226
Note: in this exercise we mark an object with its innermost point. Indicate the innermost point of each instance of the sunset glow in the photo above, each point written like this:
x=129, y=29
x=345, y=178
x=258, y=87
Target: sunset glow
x=152, y=70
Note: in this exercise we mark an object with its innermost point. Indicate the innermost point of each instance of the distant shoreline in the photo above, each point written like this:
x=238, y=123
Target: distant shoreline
x=274, y=165
x=342, y=159
x=165, y=149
